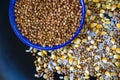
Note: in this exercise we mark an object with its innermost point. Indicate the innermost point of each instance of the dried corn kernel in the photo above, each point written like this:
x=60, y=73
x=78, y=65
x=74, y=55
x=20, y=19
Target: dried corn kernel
x=107, y=73
x=117, y=56
x=118, y=25
x=92, y=25
x=97, y=68
x=118, y=50
x=77, y=41
x=104, y=60
x=99, y=26
x=54, y=57
x=113, y=41
x=117, y=64
x=114, y=47
x=58, y=68
x=113, y=7
x=96, y=1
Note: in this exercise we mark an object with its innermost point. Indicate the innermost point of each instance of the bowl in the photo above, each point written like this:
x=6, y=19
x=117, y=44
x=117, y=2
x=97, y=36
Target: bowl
x=37, y=46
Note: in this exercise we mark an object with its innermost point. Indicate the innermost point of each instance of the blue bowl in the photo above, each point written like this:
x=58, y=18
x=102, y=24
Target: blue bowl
x=29, y=43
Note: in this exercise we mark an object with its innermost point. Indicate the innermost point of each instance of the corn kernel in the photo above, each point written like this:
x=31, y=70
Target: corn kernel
x=107, y=73
x=102, y=11
x=117, y=64
x=118, y=5
x=104, y=60
x=113, y=7
x=114, y=47
x=58, y=68
x=71, y=68
x=98, y=5
x=89, y=12
x=118, y=25
x=40, y=54
x=118, y=50
x=117, y=56
x=97, y=68
x=53, y=56
x=77, y=41
x=78, y=66
x=44, y=52
x=92, y=25
x=99, y=26
x=108, y=6
x=103, y=32
x=96, y=1
x=113, y=41
x=63, y=57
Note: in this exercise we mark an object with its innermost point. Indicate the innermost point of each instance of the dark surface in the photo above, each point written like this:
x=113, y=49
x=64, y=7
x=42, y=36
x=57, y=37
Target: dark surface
x=15, y=64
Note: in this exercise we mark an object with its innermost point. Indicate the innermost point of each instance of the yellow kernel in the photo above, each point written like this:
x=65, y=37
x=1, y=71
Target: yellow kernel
x=102, y=11
x=95, y=47
x=103, y=32
x=58, y=68
x=66, y=78
x=118, y=50
x=92, y=25
x=113, y=41
x=97, y=68
x=118, y=25
x=101, y=15
x=53, y=56
x=87, y=77
x=78, y=61
x=70, y=51
x=113, y=7
x=99, y=26
x=113, y=74
x=118, y=5
x=70, y=55
x=98, y=5
x=117, y=64
x=89, y=12
x=97, y=31
x=106, y=27
x=77, y=41
x=70, y=60
x=87, y=72
x=84, y=40
x=63, y=57
x=78, y=66
x=117, y=56
x=71, y=68
x=88, y=49
x=107, y=48
x=96, y=1
x=78, y=79
x=114, y=47
x=44, y=52
x=108, y=6
x=107, y=73
x=98, y=74
x=93, y=17
x=58, y=61
x=76, y=45
x=104, y=60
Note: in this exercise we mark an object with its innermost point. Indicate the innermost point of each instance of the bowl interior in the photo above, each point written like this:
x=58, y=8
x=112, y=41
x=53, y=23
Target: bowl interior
x=29, y=43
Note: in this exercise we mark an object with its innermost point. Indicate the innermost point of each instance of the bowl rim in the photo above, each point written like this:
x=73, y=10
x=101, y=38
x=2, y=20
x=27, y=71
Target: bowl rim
x=37, y=46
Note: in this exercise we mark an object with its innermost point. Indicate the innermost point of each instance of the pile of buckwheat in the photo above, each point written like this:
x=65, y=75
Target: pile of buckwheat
x=95, y=52
x=48, y=22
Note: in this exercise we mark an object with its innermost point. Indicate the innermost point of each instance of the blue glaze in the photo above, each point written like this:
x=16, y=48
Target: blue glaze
x=27, y=42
